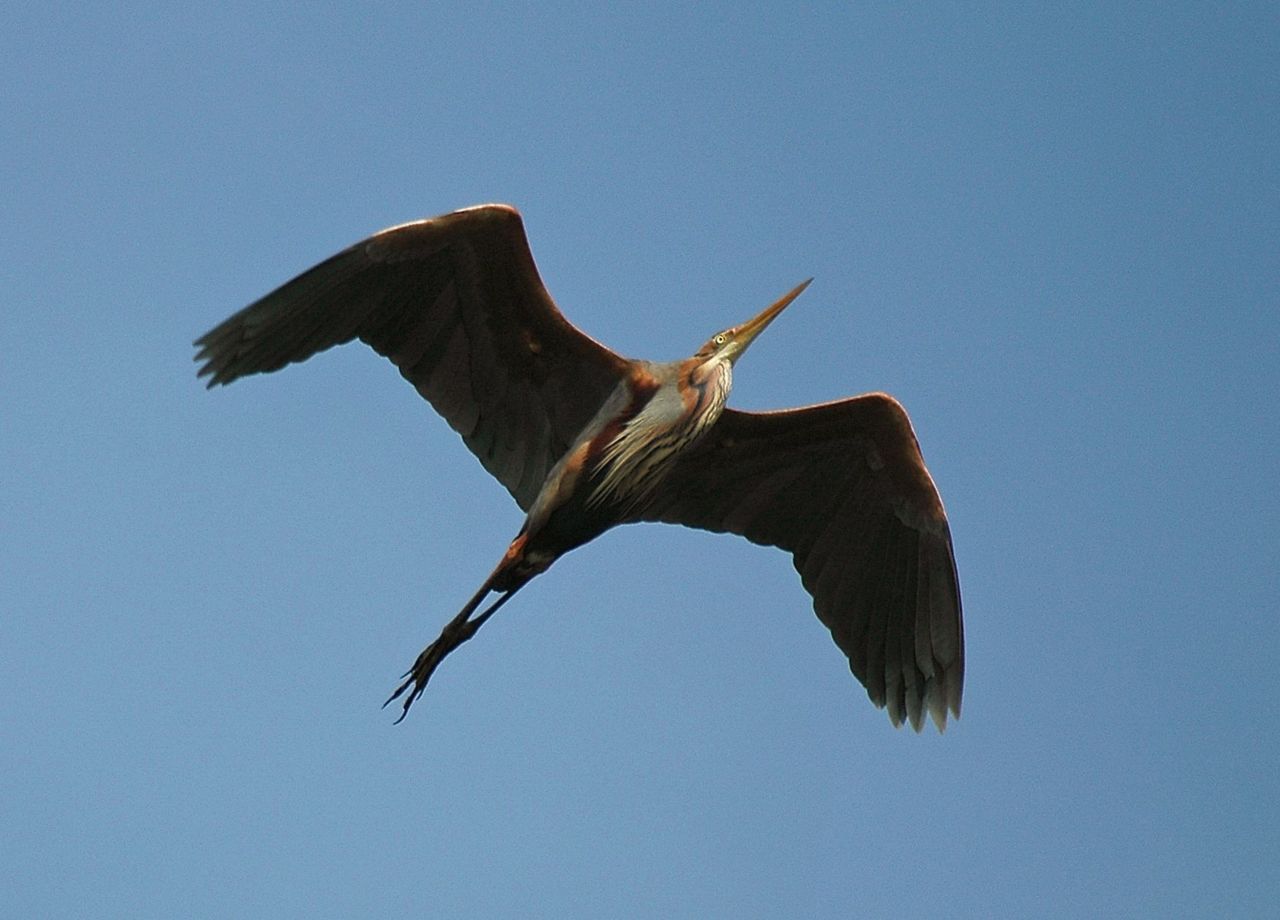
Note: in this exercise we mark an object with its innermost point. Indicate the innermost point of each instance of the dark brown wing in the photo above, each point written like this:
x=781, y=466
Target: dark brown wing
x=843, y=488
x=456, y=303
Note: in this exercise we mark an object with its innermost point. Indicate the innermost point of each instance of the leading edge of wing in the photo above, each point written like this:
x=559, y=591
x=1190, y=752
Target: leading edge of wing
x=456, y=302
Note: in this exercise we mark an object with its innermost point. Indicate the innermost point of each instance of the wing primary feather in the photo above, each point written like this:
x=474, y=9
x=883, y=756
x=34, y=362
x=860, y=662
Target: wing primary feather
x=889, y=611
x=943, y=691
x=880, y=583
x=912, y=678
x=857, y=603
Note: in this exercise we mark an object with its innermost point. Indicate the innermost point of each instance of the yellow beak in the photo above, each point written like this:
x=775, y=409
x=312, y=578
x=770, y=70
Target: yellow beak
x=747, y=332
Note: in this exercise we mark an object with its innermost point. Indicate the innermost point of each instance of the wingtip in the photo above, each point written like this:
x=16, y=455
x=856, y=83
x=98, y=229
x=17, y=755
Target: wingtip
x=937, y=701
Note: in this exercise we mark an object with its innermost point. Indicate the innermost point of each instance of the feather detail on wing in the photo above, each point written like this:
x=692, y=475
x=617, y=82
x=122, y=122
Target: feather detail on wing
x=457, y=304
x=843, y=488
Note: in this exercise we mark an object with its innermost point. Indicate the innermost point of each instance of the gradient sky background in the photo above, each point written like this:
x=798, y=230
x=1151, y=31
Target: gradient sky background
x=1053, y=234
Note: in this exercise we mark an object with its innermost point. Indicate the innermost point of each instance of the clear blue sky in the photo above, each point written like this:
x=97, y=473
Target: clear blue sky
x=1053, y=234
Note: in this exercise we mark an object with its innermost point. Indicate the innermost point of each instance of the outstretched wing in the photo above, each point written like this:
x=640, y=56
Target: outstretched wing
x=456, y=303
x=843, y=488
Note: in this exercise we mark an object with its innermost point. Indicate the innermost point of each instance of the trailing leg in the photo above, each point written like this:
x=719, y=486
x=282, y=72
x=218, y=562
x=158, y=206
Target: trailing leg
x=457, y=631
x=515, y=571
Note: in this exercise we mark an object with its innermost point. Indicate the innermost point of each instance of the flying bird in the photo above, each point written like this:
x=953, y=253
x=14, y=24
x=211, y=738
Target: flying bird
x=585, y=439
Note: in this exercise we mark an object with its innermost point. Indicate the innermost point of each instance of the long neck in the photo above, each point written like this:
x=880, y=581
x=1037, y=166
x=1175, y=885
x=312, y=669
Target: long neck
x=685, y=405
x=709, y=382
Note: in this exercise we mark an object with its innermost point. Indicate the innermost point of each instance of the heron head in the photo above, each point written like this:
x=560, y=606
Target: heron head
x=730, y=343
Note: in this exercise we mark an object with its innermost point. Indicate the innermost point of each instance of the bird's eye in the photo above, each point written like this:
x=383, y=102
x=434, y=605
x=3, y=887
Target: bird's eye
x=720, y=339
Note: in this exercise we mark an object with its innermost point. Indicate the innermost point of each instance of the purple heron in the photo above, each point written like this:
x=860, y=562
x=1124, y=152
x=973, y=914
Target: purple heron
x=585, y=439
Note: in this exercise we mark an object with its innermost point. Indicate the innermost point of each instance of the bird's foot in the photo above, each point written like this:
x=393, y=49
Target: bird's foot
x=417, y=676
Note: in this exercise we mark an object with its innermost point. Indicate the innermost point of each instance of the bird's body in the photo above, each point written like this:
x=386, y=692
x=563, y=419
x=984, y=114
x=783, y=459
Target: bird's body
x=615, y=463
x=585, y=440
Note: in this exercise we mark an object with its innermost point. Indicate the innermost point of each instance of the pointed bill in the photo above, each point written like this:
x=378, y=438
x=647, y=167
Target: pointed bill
x=745, y=334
